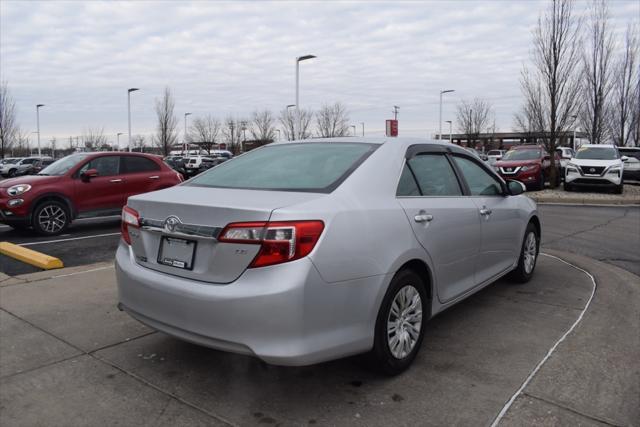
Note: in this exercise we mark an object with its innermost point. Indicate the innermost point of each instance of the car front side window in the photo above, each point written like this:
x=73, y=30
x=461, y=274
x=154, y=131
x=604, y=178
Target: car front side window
x=480, y=182
x=106, y=166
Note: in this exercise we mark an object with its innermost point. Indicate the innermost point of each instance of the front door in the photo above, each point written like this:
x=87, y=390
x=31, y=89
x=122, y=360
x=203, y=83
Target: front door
x=444, y=221
x=103, y=192
x=498, y=216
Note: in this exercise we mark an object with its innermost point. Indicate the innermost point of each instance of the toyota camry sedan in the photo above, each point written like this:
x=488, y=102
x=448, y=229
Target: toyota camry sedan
x=302, y=252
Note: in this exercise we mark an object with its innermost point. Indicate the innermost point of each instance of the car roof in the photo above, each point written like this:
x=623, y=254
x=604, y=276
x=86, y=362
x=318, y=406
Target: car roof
x=598, y=145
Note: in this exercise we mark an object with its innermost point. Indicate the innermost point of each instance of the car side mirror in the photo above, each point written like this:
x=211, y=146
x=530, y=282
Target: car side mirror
x=516, y=187
x=624, y=158
x=88, y=174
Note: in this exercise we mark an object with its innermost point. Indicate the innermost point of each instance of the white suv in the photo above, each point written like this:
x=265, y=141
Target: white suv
x=595, y=165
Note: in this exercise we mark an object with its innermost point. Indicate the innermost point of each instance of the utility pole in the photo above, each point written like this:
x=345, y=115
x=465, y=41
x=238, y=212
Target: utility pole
x=395, y=112
x=362, y=123
x=449, y=121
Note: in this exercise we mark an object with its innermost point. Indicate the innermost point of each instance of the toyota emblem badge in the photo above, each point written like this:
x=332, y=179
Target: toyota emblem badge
x=171, y=223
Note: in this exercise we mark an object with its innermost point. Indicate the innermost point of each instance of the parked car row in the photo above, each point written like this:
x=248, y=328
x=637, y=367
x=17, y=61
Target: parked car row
x=17, y=166
x=190, y=166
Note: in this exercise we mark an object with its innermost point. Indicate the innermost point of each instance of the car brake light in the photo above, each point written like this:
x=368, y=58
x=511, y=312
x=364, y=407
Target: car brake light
x=130, y=218
x=279, y=242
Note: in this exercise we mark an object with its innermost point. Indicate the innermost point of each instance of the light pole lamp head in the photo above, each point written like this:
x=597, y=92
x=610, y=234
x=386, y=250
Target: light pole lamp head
x=291, y=105
x=305, y=57
x=187, y=114
x=133, y=89
x=39, y=105
x=447, y=91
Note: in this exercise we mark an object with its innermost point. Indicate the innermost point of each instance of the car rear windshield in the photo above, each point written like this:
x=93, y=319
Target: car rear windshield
x=312, y=167
x=597, y=153
x=531, y=154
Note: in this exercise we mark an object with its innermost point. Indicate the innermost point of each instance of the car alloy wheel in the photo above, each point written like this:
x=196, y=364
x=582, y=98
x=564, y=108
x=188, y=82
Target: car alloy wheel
x=530, y=252
x=404, y=322
x=52, y=219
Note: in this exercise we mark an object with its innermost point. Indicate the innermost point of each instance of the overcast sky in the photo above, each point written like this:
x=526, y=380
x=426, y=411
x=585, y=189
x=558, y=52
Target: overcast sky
x=225, y=59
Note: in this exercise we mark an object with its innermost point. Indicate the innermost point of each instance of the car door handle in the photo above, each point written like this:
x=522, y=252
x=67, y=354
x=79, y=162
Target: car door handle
x=115, y=180
x=423, y=218
x=485, y=211
x=154, y=177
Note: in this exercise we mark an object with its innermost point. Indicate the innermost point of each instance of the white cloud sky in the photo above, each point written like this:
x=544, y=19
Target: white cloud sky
x=79, y=58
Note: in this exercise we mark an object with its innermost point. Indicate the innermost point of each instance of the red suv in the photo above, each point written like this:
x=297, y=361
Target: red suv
x=529, y=164
x=80, y=185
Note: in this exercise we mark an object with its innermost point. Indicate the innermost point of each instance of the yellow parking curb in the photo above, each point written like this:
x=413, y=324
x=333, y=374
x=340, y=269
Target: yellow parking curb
x=37, y=259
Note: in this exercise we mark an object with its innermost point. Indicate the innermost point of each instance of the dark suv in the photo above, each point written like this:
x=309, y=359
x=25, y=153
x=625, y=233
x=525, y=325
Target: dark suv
x=83, y=184
x=529, y=164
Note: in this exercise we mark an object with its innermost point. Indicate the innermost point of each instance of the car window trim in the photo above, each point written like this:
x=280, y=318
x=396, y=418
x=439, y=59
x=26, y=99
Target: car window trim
x=492, y=173
x=421, y=149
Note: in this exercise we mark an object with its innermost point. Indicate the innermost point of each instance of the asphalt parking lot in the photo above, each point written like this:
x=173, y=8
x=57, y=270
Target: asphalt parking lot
x=95, y=366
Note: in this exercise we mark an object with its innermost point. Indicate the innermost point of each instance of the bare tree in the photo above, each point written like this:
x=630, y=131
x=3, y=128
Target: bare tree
x=552, y=87
x=204, y=131
x=624, y=91
x=166, y=135
x=263, y=127
x=597, y=74
x=296, y=127
x=138, y=142
x=234, y=131
x=8, y=125
x=332, y=120
x=94, y=138
x=635, y=114
x=473, y=117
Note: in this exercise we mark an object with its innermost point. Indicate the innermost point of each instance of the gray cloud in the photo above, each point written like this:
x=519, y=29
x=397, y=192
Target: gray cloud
x=79, y=58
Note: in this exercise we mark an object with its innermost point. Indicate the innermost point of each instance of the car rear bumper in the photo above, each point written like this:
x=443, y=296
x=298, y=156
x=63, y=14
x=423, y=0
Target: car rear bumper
x=283, y=314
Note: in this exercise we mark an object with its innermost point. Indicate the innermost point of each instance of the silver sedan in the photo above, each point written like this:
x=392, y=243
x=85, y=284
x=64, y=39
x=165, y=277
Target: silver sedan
x=302, y=252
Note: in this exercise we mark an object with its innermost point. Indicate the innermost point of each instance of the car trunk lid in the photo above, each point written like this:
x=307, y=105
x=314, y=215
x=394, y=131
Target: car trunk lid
x=180, y=226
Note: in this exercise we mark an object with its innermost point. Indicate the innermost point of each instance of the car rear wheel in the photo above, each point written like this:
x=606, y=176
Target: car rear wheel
x=51, y=218
x=400, y=323
x=528, y=255
x=619, y=188
x=12, y=173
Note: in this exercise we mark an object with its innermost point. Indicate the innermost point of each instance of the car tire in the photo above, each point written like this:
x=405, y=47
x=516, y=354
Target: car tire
x=528, y=255
x=396, y=346
x=619, y=188
x=12, y=173
x=540, y=184
x=50, y=218
x=567, y=186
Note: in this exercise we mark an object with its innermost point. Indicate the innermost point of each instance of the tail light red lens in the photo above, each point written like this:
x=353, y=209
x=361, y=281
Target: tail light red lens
x=279, y=241
x=130, y=218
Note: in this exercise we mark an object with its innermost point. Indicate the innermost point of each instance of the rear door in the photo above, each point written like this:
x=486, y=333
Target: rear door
x=445, y=222
x=141, y=175
x=498, y=215
x=105, y=191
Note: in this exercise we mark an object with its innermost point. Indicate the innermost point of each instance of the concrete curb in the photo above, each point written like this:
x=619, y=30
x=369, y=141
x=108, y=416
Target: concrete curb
x=50, y=274
x=594, y=375
x=584, y=200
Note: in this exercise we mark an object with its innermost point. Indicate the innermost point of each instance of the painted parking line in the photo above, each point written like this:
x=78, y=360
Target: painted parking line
x=69, y=240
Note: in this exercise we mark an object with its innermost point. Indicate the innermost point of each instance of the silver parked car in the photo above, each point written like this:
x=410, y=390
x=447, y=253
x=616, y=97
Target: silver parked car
x=302, y=252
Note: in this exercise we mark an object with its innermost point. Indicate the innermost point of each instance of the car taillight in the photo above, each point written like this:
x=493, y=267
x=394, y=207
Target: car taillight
x=130, y=218
x=279, y=242
x=180, y=178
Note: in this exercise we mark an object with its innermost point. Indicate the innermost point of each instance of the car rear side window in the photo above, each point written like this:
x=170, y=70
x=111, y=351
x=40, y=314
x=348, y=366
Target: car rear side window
x=311, y=166
x=434, y=175
x=480, y=182
x=134, y=164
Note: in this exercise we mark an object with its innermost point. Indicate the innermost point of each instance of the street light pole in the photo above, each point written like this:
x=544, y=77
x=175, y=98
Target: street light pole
x=118, y=137
x=449, y=121
x=354, y=129
x=298, y=60
x=38, y=123
x=184, y=144
x=133, y=89
x=362, y=123
x=440, y=120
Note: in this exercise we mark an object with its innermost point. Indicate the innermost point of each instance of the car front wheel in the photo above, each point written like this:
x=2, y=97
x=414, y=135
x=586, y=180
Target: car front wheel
x=51, y=218
x=400, y=324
